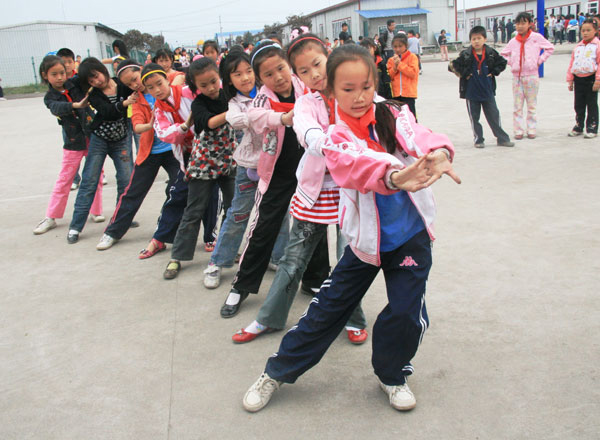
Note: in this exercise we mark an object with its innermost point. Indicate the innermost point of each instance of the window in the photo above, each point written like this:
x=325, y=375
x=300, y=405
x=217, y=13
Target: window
x=592, y=8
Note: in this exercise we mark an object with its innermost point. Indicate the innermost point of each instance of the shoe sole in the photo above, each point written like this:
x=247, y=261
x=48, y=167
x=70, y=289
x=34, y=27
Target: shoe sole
x=44, y=231
x=103, y=248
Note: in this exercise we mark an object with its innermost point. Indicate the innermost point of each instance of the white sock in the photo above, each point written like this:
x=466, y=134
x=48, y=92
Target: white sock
x=73, y=232
x=352, y=329
x=233, y=299
x=255, y=328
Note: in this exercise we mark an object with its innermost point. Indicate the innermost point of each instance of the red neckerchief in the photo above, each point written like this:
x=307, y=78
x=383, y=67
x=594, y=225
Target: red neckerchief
x=165, y=106
x=330, y=103
x=378, y=60
x=285, y=107
x=522, y=40
x=405, y=55
x=360, y=127
x=479, y=61
x=65, y=93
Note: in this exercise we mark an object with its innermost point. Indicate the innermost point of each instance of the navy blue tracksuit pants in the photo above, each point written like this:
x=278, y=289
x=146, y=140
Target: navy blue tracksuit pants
x=398, y=330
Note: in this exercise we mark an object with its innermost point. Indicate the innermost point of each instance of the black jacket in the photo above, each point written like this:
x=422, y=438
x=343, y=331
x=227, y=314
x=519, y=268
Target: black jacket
x=73, y=121
x=105, y=110
x=463, y=66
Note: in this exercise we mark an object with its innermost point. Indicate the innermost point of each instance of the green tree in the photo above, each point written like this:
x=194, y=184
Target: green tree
x=133, y=39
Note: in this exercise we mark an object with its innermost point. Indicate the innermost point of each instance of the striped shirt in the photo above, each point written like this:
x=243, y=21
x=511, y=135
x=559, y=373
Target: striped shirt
x=324, y=211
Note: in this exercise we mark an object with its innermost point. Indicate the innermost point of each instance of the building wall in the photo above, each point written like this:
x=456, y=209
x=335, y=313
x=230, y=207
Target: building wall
x=22, y=48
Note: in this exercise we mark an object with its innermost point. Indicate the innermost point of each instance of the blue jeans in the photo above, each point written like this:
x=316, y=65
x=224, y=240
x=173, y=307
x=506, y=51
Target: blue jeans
x=98, y=150
x=233, y=228
x=399, y=327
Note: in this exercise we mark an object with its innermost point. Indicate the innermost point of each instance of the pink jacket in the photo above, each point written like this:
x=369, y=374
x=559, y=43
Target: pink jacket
x=585, y=60
x=267, y=123
x=362, y=172
x=248, y=151
x=532, y=60
x=168, y=130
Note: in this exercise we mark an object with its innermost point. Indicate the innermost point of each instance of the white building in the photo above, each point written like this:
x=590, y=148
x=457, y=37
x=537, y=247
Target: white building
x=228, y=38
x=368, y=18
x=22, y=46
x=482, y=13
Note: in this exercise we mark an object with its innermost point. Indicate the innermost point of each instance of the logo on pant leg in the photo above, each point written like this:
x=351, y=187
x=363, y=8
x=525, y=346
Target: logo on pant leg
x=408, y=261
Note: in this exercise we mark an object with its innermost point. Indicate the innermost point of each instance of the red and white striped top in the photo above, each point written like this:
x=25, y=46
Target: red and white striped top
x=324, y=211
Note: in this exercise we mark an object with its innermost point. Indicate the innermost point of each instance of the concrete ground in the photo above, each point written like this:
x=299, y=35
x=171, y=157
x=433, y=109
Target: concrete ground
x=96, y=345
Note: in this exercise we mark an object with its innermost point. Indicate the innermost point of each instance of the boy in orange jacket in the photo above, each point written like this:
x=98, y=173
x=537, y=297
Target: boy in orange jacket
x=403, y=68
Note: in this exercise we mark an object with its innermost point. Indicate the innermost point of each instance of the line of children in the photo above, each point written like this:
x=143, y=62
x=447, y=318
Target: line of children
x=525, y=53
x=315, y=203
x=583, y=76
x=384, y=162
x=477, y=67
x=69, y=104
x=403, y=68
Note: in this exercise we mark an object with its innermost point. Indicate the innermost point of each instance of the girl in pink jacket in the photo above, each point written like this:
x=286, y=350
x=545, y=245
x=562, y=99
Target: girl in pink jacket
x=271, y=116
x=583, y=75
x=384, y=163
x=524, y=58
x=314, y=205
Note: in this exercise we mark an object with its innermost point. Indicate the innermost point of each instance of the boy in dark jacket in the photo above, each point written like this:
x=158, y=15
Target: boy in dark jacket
x=477, y=67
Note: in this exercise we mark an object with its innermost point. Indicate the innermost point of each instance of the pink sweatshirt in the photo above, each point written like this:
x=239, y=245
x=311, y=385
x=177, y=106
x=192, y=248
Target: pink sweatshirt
x=248, y=151
x=362, y=172
x=169, y=131
x=532, y=60
x=267, y=122
x=585, y=60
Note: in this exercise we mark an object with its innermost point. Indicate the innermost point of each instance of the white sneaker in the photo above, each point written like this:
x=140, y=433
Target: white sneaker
x=589, y=135
x=74, y=186
x=212, y=276
x=98, y=218
x=575, y=133
x=259, y=394
x=104, y=181
x=401, y=397
x=44, y=226
x=106, y=242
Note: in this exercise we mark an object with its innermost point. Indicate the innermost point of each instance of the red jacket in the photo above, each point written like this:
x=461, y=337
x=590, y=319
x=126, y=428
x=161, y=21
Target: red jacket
x=142, y=114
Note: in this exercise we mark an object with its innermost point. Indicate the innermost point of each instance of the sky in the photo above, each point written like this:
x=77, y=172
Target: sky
x=181, y=22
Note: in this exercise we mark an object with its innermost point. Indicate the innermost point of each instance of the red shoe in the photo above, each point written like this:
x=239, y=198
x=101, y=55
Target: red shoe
x=531, y=136
x=518, y=137
x=209, y=247
x=357, y=337
x=242, y=336
x=158, y=247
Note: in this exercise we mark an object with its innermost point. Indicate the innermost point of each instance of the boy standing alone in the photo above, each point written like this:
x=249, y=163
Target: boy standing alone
x=477, y=67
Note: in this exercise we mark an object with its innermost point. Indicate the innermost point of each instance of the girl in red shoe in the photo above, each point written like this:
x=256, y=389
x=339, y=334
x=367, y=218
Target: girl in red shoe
x=314, y=205
x=384, y=163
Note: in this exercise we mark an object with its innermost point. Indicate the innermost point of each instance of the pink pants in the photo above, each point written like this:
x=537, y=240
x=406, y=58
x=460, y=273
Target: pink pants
x=444, y=53
x=525, y=89
x=62, y=187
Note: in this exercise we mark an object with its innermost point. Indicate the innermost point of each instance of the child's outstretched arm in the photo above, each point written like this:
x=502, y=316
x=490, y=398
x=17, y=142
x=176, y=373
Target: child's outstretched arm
x=437, y=164
x=167, y=132
x=261, y=117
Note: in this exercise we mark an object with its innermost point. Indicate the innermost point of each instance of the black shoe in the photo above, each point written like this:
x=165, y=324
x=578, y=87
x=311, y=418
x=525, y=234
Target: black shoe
x=134, y=224
x=228, y=311
x=72, y=238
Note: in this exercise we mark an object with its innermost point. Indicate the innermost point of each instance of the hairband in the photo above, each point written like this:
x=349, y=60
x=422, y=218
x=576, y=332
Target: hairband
x=127, y=67
x=300, y=39
x=264, y=47
x=153, y=71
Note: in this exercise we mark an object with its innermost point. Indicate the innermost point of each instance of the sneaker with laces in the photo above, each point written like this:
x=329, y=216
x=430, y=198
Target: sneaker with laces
x=590, y=135
x=401, y=397
x=106, y=242
x=259, y=394
x=98, y=218
x=575, y=133
x=44, y=226
x=212, y=276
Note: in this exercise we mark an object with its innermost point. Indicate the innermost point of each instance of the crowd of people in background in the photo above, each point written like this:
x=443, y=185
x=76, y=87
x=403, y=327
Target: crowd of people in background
x=308, y=135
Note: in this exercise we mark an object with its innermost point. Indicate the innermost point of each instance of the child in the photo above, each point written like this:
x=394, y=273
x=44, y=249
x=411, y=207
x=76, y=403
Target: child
x=477, y=68
x=524, y=58
x=153, y=155
x=120, y=50
x=68, y=103
x=210, y=49
x=165, y=59
x=583, y=75
x=414, y=46
x=68, y=58
x=443, y=43
x=211, y=162
x=384, y=88
x=110, y=98
x=315, y=203
x=377, y=154
x=404, y=73
x=271, y=116
x=239, y=87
